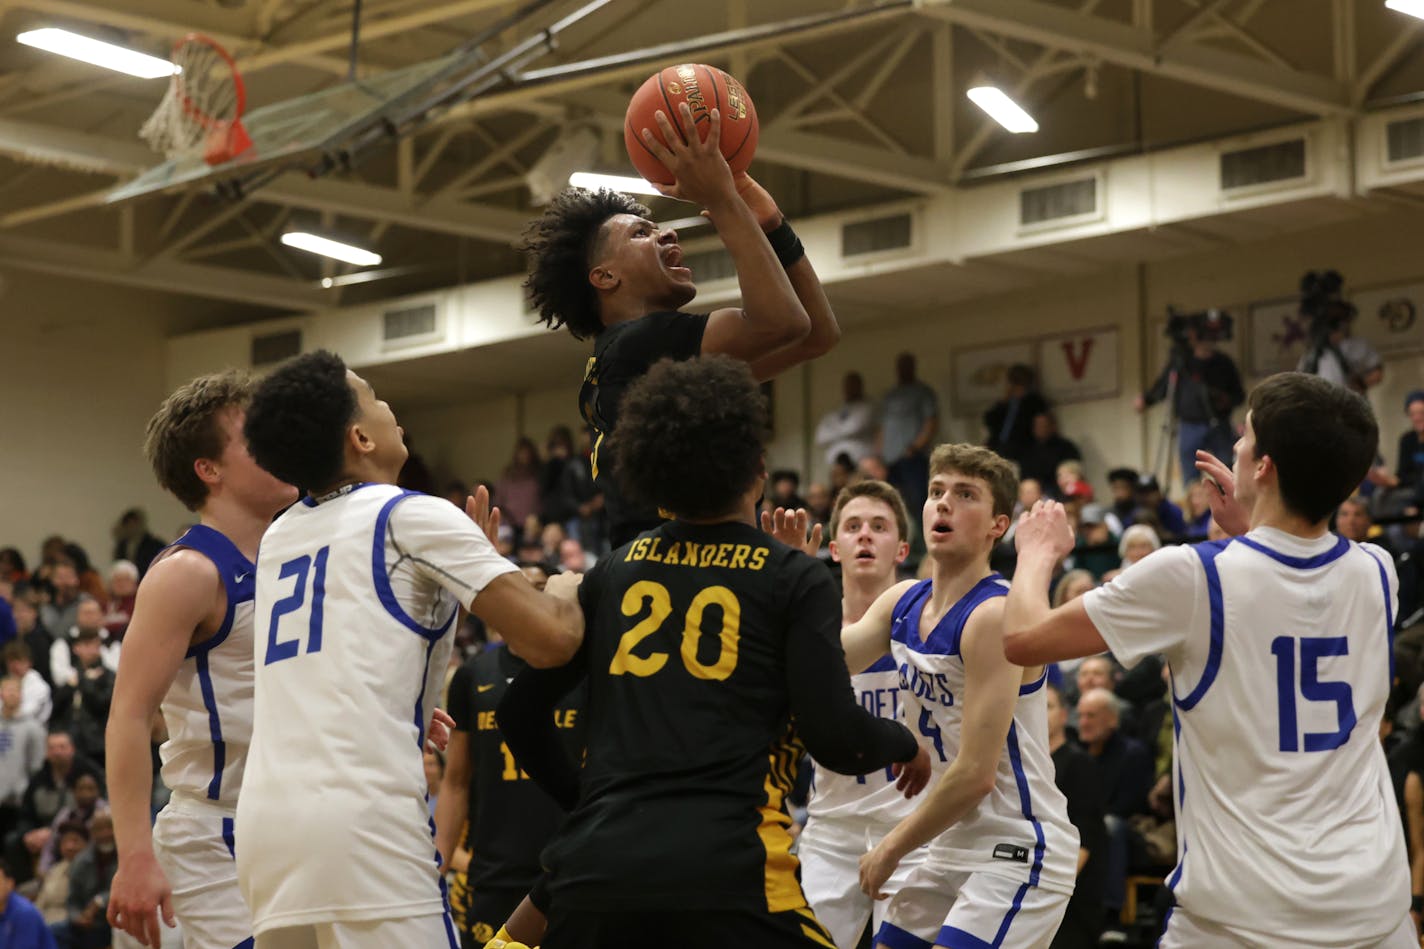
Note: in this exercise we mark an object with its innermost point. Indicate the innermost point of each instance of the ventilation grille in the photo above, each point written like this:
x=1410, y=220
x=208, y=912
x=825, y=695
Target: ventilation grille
x=709, y=265
x=274, y=347
x=412, y=322
x=1405, y=140
x=876, y=235
x=1055, y=202
x=1268, y=164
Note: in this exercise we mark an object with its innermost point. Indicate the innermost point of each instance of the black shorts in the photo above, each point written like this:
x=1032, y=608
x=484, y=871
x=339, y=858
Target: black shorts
x=478, y=913
x=715, y=929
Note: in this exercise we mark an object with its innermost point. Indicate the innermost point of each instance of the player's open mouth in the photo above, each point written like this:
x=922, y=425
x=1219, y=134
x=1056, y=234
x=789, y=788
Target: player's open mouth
x=865, y=555
x=942, y=529
x=672, y=260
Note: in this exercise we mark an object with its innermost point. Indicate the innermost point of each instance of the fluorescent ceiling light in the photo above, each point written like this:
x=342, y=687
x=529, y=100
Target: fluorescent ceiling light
x=97, y=53
x=1411, y=7
x=327, y=247
x=1002, y=109
x=587, y=179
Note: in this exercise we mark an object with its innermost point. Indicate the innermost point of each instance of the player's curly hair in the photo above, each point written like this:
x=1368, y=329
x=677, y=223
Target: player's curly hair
x=188, y=426
x=690, y=436
x=561, y=244
x=296, y=423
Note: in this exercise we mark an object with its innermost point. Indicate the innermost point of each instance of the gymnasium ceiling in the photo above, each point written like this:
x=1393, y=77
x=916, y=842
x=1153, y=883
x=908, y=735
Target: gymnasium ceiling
x=860, y=102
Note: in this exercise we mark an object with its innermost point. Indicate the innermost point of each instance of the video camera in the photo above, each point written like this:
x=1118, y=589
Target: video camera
x=1322, y=302
x=1211, y=325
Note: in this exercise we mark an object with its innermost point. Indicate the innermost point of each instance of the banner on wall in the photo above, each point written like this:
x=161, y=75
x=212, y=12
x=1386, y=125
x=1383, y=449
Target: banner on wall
x=1078, y=366
x=1391, y=318
x=1278, y=335
x=980, y=374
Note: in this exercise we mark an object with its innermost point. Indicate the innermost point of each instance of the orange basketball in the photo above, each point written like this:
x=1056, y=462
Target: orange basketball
x=703, y=88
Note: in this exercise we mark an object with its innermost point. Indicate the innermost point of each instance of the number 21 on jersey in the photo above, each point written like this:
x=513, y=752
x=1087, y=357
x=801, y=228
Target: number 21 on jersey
x=301, y=568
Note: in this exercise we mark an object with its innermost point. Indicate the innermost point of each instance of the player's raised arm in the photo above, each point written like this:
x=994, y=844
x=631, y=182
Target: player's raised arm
x=990, y=695
x=868, y=638
x=1034, y=632
x=174, y=600
x=836, y=730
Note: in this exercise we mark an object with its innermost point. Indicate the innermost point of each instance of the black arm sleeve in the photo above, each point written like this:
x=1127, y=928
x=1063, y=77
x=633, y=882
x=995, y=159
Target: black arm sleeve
x=837, y=732
x=526, y=720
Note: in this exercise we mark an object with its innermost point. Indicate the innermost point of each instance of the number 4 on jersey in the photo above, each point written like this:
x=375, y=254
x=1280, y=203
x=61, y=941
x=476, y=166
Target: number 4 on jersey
x=277, y=650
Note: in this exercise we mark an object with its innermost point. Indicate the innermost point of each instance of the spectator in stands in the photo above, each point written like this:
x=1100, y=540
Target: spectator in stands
x=7, y=615
x=572, y=557
x=53, y=901
x=89, y=580
x=1094, y=672
x=22, y=753
x=1010, y=420
x=1046, y=450
x=784, y=490
x=35, y=693
x=1069, y=482
x=872, y=468
x=1353, y=521
x=1125, y=773
x=909, y=420
x=558, y=497
x=1208, y=388
x=134, y=542
x=1168, y=515
x=89, y=879
x=1122, y=486
x=517, y=490
x=1196, y=509
x=1094, y=551
x=81, y=705
x=456, y=492
x=1411, y=445
x=851, y=428
x=89, y=619
x=21, y=925
x=1077, y=777
x=1406, y=769
x=59, y=614
x=87, y=803
x=12, y=565
x=50, y=791
x=1030, y=493
x=843, y=469
x=819, y=503
x=1137, y=542
x=123, y=591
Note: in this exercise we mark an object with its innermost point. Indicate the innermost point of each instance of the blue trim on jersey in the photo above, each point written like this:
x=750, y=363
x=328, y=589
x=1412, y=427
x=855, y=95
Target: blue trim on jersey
x=210, y=702
x=382, y=580
x=234, y=570
x=1026, y=802
x=420, y=714
x=954, y=938
x=247, y=943
x=1207, y=553
x=1166, y=921
x=1388, y=610
x=1036, y=684
x=885, y=663
x=1341, y=547
x=893, y=937
x=454, y=940
x=229, y=836
x=943, y=640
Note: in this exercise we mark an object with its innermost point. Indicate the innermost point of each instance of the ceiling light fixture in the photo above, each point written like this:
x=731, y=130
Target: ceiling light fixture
x=1002, y=109
x=1411, y=7
x=628, y=185
x=326, y=247
x=86, y=49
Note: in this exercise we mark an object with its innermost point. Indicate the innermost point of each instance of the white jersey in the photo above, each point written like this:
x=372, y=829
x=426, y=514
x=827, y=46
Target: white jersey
x=355, y=596
x=208, y=708
x=869, y=801
x=1279, y=649
x=1020, y=829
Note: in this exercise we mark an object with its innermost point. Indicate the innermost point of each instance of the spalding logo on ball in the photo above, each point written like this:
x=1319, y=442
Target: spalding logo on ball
x=703, y=88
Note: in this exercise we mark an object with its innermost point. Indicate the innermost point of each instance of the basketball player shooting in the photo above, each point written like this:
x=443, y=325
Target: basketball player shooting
x=604, y=269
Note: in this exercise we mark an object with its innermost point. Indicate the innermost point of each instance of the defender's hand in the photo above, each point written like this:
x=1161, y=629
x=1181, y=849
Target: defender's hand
x=1044, y=528
x=789, y=527
x=913, y=774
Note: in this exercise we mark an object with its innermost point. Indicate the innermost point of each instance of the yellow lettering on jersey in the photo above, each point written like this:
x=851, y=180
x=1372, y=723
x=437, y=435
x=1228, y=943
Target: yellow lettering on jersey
x=565, y=718
x=709, y=551
x=485, y=722
x=739, y=556
x=673, y=555
x=653, y=554
x=690, y=553
x=758, y=559
x=637, y=550
x=723, y=552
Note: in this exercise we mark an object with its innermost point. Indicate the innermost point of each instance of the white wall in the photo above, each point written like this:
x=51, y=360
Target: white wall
x=81, y=371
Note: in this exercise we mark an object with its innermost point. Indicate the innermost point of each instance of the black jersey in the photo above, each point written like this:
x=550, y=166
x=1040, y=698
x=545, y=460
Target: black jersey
x=708, y=651
x=510, y=818
x=622, y=354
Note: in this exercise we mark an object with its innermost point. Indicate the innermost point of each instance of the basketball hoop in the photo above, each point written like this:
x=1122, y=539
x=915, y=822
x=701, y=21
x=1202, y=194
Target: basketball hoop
x=203, y=106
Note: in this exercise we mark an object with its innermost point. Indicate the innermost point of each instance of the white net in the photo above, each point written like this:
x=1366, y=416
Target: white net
x=201, y=100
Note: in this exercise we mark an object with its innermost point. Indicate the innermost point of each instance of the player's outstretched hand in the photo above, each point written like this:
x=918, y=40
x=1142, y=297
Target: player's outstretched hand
x=1044, y=528
x=440, y=725
x=875, y=869
x=1228, y=512
x=137, y=895
x=485, y=515
x=701, y=174
x=564, y=586
x=914, y=774
x=789, y=527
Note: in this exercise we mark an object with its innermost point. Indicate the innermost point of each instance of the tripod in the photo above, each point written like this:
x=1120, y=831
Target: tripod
x=1168, y=438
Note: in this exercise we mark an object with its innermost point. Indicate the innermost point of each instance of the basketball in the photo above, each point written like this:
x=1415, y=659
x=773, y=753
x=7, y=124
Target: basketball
x=703, y=88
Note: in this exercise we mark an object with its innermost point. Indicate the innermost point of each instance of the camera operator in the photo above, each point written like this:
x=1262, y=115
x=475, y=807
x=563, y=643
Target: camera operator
x=1331, y=352
x=1207, y=387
